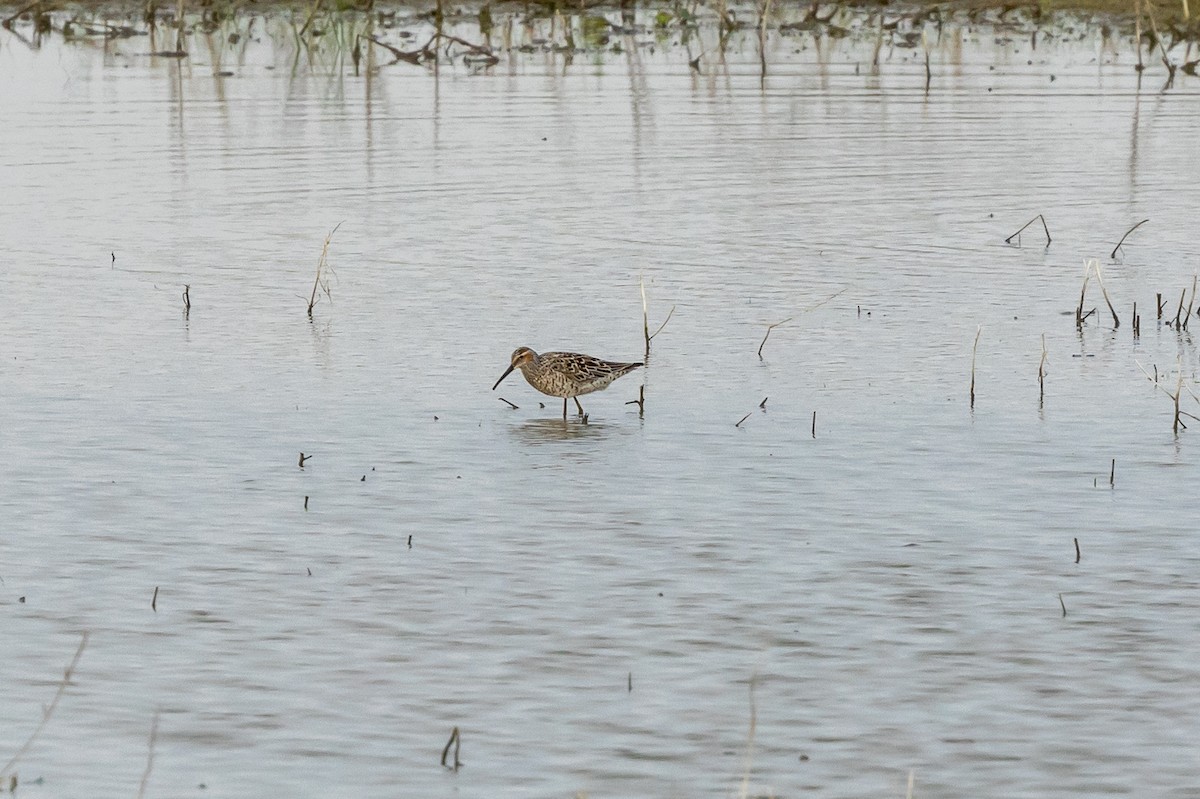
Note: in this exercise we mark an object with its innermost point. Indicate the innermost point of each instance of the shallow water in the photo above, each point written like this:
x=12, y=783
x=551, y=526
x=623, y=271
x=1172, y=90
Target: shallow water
x=591, y=603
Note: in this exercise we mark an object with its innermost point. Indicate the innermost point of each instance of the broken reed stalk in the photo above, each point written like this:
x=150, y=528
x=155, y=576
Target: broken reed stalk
x=1159, y=302
x=1087, y=274
x=1064, y=605
x=1137, y=322
x=1045, y=227
x=1178, y=391
x=925, y=47
x=509, y=404
x=1179, y=312
x=744, y=418
x=814, y=425
x=454, y=741
x=646, y=318
x=1191, y=303
x=1077, y=553
x=769, y=329
x=1178, y=423
x=640, y=401
x=974, y=351
x=323, y=270
x=154, y=600
x=1144, y=221
x=149, y=757
x=1042, y=373
x=187, y=301
x=48, y=711
x=1112, y=474
x=1104, y=291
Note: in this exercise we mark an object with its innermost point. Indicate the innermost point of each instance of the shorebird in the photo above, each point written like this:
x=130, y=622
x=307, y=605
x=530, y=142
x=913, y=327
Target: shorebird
x=565, y=374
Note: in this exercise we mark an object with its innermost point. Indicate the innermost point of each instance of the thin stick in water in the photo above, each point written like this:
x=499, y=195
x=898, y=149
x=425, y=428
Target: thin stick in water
x=1139, y=224
x=1077, y=553
x=322, y=269
x=454, y=741
x=1104, y=291
x=1191, y=303
x=1042, y=374
x=1087, y=274
x=744, y=418
x=1064, y=605
x=187, y=301
x=1027, y=224
x=640, y=401
x=154, y=600
x=1112, y=474
x=769, y=329
x=974, y=350
x=814, y=425
x=49, y=709
x=509, y=404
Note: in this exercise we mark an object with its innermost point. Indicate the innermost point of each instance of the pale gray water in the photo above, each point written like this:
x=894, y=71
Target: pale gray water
x=891, y=586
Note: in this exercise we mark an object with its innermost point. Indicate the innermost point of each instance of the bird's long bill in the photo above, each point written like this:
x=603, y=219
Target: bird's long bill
x=507, y=372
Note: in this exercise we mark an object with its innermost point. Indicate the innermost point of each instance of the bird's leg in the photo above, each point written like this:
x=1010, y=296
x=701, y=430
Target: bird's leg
x=564, y=409
x=577, y=405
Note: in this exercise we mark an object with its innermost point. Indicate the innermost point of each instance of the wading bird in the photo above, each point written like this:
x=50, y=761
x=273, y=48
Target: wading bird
x=565, y=374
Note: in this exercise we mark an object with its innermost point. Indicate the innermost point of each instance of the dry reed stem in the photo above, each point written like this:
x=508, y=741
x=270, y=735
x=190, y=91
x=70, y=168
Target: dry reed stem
x=1042, y=373
x=1087, y=274
x=1191, y=303
x=769, y=329
x=1104, y=291
x=1113, y=254
x=974, y=350
x=49, y=709
x=322, y=268
x=912, y=777
x=1045, y=227
x=456, y=742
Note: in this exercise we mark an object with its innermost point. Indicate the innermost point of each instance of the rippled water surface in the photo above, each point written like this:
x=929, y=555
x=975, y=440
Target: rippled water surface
x=591, y=603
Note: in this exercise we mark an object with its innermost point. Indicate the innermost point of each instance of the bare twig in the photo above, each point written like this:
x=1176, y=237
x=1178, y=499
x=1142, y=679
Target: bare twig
x=187, y=301
x=974, y=350
x=1027, y=224
x=1042, y=373
x=1104, y=291
x=769, y=329
x=1087, y=274
x=454, y=741
x=1127, y=232
x=509, y=404
x=670, y=313
x=640, y=401
x=744, y=418
x=48, y=711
